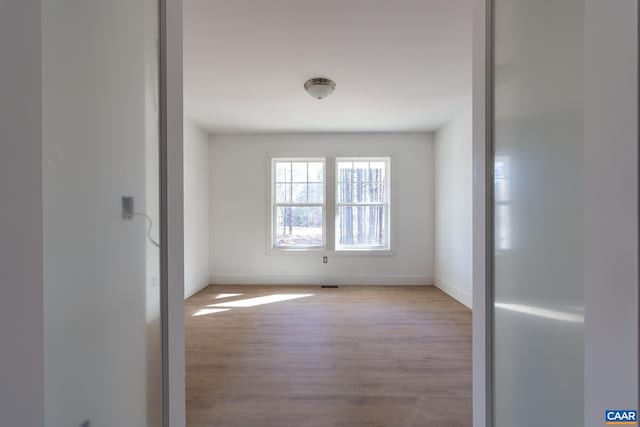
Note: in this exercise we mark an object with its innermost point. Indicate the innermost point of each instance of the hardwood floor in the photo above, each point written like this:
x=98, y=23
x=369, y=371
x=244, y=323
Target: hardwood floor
x=358, y=356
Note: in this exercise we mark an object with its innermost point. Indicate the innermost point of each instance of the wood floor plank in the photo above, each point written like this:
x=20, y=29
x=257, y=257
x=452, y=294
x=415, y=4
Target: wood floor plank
x=357, y=356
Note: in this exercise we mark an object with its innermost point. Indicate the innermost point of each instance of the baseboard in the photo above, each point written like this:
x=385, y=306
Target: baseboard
x=189, y=293
x=279, y=279
x=456, y=292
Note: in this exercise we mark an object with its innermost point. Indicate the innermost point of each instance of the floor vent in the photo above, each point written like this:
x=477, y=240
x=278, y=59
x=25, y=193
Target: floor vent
x=329, y=286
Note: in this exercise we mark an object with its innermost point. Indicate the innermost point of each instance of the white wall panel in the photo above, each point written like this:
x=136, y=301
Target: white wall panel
x=538, y=213
x=240, y=204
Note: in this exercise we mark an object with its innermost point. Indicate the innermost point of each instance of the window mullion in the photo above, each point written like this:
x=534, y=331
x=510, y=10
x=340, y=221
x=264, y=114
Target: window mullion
x=330, y=199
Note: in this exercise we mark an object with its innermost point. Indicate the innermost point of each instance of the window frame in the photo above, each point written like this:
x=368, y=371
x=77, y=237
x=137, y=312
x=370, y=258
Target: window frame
x=386, y=205
x=274, y=205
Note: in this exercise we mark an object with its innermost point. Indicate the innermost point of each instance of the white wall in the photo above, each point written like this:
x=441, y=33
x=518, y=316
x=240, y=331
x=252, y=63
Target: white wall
x=21, y=322
x=239, y=211
x=196, y=209
x=611, y=208
x=101, y=301
x=610, y=211
x=453, y=208
x=538, y=283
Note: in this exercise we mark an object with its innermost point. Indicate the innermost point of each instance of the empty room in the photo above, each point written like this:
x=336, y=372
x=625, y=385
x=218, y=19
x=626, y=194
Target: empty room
x=328, y=213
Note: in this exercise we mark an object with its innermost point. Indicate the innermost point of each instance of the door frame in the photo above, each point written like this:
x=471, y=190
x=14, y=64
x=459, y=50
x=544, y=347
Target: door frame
x=482, y=288
x=172, y=213
x=172, y=278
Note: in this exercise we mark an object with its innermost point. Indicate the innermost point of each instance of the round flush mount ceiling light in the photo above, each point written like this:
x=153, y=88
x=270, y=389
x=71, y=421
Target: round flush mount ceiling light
x=319, y=87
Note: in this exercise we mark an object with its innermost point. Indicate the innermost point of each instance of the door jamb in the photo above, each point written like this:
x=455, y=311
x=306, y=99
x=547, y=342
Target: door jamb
x=171, y=214
x=482, y=213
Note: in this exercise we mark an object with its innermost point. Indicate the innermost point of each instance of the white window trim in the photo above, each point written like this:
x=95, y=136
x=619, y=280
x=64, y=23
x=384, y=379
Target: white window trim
x=329, y=221
x=273, y=206
x=387, y=204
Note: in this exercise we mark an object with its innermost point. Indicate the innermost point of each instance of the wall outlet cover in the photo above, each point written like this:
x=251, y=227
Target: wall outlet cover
x=127, y=209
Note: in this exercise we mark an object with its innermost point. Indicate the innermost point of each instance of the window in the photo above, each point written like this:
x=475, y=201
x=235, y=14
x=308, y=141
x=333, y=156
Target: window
x=362, y=204
x=298, y=202
x=357, y=198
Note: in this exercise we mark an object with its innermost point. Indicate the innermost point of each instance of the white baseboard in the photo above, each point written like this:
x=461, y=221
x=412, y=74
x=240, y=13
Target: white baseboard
x=456, y=292
x=190, y=292
x=278, y=279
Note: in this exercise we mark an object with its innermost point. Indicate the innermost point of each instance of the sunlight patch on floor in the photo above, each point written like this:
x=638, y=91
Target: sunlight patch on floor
x=252, y=302
x=205, y=311
x=220, y=296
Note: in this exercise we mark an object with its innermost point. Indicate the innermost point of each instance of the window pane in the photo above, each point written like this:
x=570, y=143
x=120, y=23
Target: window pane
x=299, y=193
x=345, y=192
x=298, y=226
x=283, y=172
x=283, y=193
x=316, y=172
x=360, y=177
x=345, y=171
x=299, y=171
x=377, y=171
x=361, y=171
x=361, y=226
x=360, y=167
x=316, y=193
x=364, y=188
x=375, y=193
x=359, y=192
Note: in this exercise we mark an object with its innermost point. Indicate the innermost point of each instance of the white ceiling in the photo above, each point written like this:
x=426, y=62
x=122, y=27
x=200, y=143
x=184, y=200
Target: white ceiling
x=399, y=65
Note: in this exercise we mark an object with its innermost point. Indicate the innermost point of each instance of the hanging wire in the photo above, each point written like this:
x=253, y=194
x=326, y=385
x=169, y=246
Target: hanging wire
x=156, y=244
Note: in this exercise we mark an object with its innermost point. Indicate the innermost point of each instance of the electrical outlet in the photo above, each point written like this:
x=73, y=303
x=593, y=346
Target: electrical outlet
x=325, y=260
x=127, y=207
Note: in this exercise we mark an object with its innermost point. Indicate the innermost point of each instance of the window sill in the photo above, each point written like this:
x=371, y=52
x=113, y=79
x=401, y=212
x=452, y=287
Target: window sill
x=330, y=252
x=363, y=252
x=297, y=250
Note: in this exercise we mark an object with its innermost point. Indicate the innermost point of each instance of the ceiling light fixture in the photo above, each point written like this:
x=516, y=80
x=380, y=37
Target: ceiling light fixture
x=319, y=87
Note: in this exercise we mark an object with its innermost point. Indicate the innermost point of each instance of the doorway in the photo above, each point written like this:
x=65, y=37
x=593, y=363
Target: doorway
x=335, y=231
